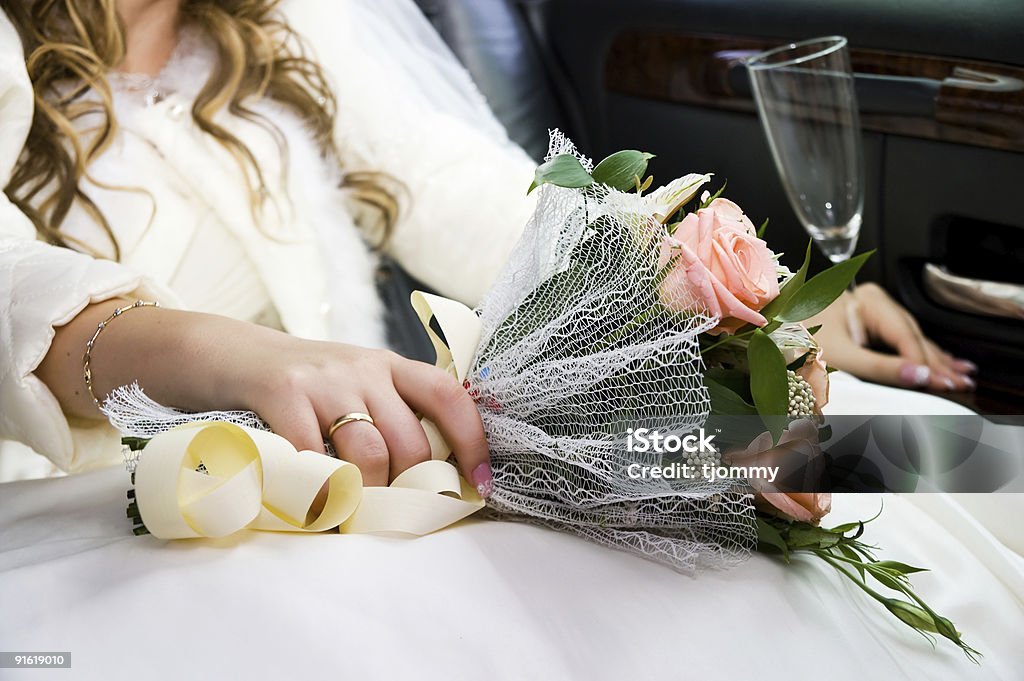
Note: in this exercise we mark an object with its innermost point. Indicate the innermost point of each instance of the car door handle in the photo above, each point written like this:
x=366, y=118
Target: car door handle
x=977, y=296
x=889, y=94
x=876, y=93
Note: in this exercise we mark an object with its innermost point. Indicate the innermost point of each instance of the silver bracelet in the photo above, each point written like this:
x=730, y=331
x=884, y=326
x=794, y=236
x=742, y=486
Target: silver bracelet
x=87, y=359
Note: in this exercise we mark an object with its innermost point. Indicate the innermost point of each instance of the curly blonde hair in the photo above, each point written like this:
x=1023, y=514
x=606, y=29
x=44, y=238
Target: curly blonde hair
x=69, y=48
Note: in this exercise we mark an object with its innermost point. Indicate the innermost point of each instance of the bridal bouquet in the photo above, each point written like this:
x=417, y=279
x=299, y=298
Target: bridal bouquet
x=627, y=323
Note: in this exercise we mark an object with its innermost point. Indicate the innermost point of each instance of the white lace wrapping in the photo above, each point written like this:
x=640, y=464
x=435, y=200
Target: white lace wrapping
x=579, y=344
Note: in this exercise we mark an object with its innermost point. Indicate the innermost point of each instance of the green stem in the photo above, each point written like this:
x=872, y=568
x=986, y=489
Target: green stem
x=939, y=622
x=830, y=559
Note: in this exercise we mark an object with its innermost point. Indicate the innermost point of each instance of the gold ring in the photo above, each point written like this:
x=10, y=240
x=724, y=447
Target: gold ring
x=346, y=419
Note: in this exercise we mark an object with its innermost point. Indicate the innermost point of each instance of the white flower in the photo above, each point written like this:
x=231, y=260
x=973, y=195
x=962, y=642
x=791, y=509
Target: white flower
x=782, y=272
x=664, y=201
x=793, y=340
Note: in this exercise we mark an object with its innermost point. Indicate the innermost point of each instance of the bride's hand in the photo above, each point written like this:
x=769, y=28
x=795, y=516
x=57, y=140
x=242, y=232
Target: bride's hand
x=199, y=362
x=915, y=362
x=301, y=387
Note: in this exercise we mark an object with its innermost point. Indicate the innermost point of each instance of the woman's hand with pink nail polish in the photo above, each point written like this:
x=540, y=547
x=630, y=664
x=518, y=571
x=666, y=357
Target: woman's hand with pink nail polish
x=914, y=362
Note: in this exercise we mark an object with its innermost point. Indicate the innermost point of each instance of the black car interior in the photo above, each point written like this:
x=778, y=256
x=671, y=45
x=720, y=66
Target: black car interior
x=942, y=114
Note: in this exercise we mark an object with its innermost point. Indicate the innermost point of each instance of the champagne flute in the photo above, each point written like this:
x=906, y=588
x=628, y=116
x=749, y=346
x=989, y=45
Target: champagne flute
x=806, y=101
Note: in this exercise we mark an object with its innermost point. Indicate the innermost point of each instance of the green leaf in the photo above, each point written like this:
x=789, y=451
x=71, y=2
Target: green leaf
x=902, y=568
x=135, y=443
x=725, y=401
x=762, y=228
x=814, y=329
x=733, y=379
x=848, y=527
x=563, y=170
x=863, y=549
x=623, y=169
x=891, y=580
x=852, y=555
x=768, y=383
x=788, y=289
x=768, y=536
x=821, y=290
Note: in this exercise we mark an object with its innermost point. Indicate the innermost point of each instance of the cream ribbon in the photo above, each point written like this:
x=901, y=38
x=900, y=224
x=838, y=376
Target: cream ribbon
x=211, y=479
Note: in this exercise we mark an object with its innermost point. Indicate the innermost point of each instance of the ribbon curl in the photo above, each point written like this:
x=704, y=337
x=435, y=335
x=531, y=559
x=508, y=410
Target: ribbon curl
x=211, y=479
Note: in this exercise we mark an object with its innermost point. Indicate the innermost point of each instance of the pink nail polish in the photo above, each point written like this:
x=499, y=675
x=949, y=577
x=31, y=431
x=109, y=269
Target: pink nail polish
x=971, y=385
x=483, y=480
x=948, y=382
x=967, y=365
x=914, y=375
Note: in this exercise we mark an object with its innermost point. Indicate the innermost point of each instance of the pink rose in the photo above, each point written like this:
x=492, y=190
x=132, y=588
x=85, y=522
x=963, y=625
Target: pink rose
x=723, y=264
x=798, y=448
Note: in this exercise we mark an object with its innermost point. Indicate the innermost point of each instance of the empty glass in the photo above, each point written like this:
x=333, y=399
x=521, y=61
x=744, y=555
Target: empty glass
x=806, y=100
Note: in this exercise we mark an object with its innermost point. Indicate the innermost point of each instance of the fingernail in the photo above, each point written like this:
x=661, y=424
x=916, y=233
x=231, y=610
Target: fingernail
x=966, y=365
x=971, y=385
x=483, y=480
x=948, y=382
x=914, y=375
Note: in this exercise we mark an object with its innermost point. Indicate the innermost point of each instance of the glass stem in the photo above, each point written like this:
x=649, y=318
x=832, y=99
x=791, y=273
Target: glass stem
x=854, y=322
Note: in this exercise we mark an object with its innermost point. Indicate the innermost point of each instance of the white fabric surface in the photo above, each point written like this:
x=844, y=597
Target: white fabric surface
x=850, y=395
x=480, y=600
x=488, y=600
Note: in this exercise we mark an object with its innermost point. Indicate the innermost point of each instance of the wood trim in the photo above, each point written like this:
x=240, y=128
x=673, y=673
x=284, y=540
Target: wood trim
x=703, y=70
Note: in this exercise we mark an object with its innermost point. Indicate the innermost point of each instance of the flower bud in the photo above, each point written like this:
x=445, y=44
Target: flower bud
x=912, y=615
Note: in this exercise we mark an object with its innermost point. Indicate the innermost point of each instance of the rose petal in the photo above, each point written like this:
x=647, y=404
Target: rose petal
x=732, y=213
x=732, y=307
x=815, y=372
x=706, y=225
x=801, y=429
x=785, y=504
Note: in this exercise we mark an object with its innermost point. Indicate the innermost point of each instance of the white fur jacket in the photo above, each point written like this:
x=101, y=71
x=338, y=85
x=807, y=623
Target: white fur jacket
x=466, y=210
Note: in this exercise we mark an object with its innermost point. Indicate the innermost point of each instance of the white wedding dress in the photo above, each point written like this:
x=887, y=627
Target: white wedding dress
x=478, y=600
x=181, y=210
